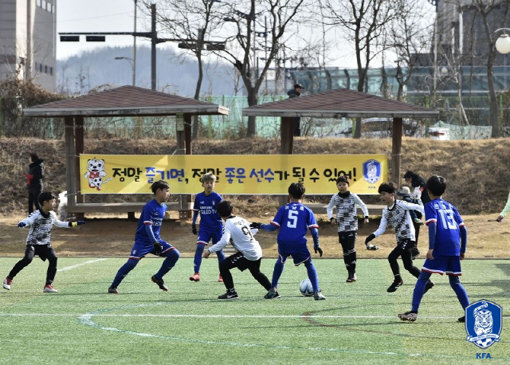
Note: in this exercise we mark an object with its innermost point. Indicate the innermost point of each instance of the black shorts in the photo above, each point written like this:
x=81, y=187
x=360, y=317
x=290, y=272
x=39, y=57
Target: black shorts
x=43, y=251
x=347, y=237
x=242, y=263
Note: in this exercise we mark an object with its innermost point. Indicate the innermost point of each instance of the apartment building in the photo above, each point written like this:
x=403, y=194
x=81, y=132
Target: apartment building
x=28, y=41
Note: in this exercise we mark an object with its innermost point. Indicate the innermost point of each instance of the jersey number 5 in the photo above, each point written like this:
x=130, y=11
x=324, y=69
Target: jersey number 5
x=292, y=218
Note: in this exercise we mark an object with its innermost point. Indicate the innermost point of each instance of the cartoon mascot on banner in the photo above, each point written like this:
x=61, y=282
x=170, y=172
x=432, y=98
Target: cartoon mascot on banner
x=95, y=173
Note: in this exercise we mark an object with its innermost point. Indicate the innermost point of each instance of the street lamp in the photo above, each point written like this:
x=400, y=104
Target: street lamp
x=132, y=63
x=503, y=41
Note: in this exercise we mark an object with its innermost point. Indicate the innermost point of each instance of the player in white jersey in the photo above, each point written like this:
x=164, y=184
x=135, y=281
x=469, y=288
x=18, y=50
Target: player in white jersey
x=39, y=240
x=249, y=253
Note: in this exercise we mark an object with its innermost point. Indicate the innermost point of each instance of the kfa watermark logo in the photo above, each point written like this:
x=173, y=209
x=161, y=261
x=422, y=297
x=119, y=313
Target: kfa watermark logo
x=484, y=320
x=372, y=171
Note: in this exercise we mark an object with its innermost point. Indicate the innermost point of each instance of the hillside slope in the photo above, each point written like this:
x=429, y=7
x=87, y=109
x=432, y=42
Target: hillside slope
x=478, y=172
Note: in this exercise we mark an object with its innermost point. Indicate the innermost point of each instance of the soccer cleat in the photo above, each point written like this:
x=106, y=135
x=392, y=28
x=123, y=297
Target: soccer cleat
x=371, y=247
x=428, y=286
x=408, y=316
x=461, y=319
x=113, y=290
x=393, y=287
x=271, y=294
x=220, y=279
x=351, y=278
x=229, y=295
x=195, y=277
x=48, y=288
x=318, y=295
x=7, y=284
x=160, y=283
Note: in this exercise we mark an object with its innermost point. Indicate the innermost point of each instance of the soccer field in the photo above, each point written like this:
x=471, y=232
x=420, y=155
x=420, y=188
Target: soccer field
x=356, y=324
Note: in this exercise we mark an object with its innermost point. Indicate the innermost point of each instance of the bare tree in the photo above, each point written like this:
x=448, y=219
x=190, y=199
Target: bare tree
x=493, y=14
x=257, y=25
x=407, y=35
x=192, y=21
x=365, y=22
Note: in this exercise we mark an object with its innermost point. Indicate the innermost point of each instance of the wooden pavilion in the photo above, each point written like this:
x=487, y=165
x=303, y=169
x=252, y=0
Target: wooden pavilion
x=125, y=101
x=342, y=103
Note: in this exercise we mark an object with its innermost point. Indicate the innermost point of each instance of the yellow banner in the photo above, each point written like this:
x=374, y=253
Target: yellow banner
x=236, y=174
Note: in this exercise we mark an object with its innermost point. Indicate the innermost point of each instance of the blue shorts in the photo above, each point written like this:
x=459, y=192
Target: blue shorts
x=443, y=264
x=205, y=236
x=142, y=248
x=299, y=254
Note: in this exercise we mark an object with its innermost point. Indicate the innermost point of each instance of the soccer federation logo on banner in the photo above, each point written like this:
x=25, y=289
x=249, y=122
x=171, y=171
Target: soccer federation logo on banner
x=484, y=320
x=372, y=171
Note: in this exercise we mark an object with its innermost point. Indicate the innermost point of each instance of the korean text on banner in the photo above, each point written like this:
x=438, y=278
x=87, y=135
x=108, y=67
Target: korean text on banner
x=236, y=174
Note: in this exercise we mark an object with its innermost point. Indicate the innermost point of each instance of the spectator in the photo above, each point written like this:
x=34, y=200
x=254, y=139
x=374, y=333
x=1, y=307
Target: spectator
x=418, y=189
x=294, y=93
x=34, y=181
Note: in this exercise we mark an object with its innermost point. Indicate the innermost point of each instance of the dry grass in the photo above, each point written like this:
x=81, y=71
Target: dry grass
x=478, y=172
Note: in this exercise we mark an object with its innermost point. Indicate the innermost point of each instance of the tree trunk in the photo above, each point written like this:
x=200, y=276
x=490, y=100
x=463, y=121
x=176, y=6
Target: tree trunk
x=252, y=123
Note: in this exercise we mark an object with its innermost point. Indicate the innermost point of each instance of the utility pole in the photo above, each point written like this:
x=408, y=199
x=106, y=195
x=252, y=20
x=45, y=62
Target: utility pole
x=152, y=35
x=154, y=39
x=134, y=46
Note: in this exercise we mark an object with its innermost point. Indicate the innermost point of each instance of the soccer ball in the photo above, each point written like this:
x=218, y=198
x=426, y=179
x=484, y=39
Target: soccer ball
x=305, y=287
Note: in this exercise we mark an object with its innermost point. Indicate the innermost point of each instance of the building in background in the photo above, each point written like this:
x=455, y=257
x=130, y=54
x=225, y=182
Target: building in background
x=28, y=41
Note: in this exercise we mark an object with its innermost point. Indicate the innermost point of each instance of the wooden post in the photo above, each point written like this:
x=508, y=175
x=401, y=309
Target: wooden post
x=287, y=139
x=287, y=135
x=78, y=148
x=69, y=152
x=395, y=150
x=183, y=135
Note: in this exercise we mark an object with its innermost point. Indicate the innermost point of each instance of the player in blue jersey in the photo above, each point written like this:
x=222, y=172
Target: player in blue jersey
x=294, y=220
x=447, y=245
x=211, y=226
x=148, y=240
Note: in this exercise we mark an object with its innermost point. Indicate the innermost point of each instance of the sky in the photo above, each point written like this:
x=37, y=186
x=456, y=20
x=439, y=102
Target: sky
x=118, y=16
x=97, y=16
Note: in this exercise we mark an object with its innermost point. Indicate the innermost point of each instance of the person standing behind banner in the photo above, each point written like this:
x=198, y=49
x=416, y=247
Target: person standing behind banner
x=294, y=93
x=34, y=181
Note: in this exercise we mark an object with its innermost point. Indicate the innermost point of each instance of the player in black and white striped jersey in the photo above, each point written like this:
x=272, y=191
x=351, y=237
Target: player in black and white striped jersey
x=237, y=231
x=345, y=203
x=38, y=240
x=397, y=214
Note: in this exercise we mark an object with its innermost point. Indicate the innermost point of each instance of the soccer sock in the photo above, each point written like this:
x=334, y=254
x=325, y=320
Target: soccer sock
x=171, y=258
x=52, y=270
x=419, y=289
x=221, y=256
x=197, y=261
x=277, y=272
x=262, y=279
x=392, y=258
x=459, y=289
x=312, y=275
x=123, y=271
x=352, y=265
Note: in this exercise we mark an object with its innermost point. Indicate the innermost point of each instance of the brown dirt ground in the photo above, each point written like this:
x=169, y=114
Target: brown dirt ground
x=477, y=172
x=113, y=236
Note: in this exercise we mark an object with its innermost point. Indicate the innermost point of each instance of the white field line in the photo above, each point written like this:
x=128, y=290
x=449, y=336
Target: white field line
x=67, y=268
x=237, y=316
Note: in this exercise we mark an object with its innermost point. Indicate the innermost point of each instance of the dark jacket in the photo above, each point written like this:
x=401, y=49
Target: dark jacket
x=35, y=176
x=292, y=93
